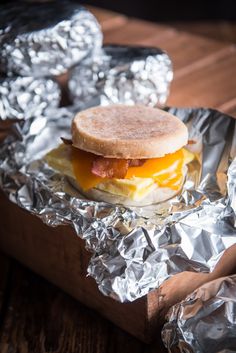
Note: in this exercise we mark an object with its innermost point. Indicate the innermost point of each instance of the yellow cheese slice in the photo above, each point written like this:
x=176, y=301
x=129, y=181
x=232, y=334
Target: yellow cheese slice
x=166, y=171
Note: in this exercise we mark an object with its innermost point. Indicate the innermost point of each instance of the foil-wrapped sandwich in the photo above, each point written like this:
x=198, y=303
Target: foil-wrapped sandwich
x=45, y=38
x=205, y=321
x=122, y=74
x=25, y=97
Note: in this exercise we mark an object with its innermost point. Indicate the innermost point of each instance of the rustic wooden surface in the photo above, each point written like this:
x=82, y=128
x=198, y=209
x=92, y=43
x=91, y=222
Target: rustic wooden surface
x=59, y=255
x=35, y=316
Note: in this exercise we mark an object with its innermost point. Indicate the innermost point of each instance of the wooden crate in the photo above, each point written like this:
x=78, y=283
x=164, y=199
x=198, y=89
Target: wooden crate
x=59, y=255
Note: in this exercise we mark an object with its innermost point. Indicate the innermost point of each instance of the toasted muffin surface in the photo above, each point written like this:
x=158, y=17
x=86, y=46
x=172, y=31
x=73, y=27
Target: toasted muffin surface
x=135, y=132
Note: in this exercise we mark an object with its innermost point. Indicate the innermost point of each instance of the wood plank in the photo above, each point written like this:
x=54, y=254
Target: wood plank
x=209, y=86
x=59, y=255
x=4, y=290
x=41, y=318
x=186, y=50
x=108, y=19
x=134, y=32
x=219, y=30
x=229, y=107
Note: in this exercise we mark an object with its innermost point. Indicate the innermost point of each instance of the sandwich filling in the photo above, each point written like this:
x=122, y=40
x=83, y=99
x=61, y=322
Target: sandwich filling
x=130, y=178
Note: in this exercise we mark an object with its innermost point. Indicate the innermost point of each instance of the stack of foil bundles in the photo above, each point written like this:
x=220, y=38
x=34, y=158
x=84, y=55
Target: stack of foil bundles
x=42, y=40
x=39, y=41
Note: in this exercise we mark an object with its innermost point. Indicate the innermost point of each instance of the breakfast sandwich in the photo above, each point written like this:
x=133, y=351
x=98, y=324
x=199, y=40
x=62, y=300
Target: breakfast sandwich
x=130, y=155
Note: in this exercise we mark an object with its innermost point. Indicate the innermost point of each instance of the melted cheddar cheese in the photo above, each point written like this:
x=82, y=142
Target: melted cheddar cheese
x=166, y=171
x=82, y=165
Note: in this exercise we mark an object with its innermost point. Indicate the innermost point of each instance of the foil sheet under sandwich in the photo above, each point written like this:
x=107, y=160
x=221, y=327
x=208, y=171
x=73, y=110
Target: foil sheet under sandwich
x=45, y=38
x=205, y=322
x=134, y=249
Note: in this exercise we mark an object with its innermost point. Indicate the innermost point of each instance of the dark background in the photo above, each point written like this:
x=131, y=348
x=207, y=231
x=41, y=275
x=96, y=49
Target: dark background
x=163, y=10
x=171, y=10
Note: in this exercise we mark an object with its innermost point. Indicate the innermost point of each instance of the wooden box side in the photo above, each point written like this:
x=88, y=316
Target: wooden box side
x=59, y=255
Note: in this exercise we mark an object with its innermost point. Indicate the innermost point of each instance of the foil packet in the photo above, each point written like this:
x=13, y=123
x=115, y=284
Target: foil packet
x=134, y=249
x=205, y=321
x=45, y=38
x=24, y=97
x=122, y=74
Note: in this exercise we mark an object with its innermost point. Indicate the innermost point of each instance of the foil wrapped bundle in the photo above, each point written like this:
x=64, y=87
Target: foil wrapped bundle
x=135, y=249
x=25, y=97
x=205, y=321
x=45, y=38
x=122, y=74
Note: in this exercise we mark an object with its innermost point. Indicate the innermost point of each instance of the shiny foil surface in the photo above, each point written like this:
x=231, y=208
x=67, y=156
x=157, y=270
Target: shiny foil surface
x=122, y=74
x=24, y=97
x=134, y=249
x=45, y=38
x=205, y=321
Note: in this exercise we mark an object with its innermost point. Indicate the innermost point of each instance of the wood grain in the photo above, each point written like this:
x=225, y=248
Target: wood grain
x=41, y=318
x=184, y=49
x=134, y=32
x=4, y=289
x=209, y=86
x=187, y=51
x=108, y=19
x=218, y=30
x=203, y=68
x=60, y=256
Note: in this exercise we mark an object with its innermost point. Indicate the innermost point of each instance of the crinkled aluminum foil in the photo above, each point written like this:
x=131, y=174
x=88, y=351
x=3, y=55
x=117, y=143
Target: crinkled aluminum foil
x=205, y=321
x=122, y=74
x=24, y=97
x=135, y=249
x=47, y=38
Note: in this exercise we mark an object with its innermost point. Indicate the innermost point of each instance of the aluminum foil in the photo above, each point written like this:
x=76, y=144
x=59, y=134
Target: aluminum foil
x=122, y=74
x=45, y=38
x=134, y=249
x=205, y=322
x=26, y=97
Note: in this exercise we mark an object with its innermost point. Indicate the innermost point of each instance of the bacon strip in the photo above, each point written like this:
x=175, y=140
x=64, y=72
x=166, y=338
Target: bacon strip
x=112, y=167
x=191, y=142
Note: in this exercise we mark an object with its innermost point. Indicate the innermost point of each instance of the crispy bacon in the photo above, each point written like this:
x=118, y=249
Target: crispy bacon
x=114, y=168
x=110, y=167
x=191, y=142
